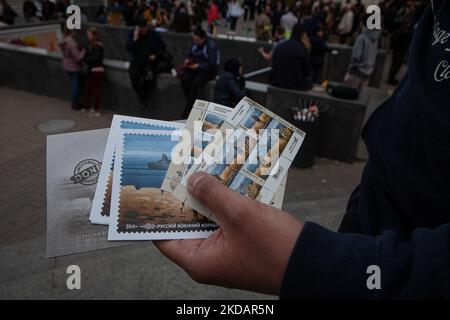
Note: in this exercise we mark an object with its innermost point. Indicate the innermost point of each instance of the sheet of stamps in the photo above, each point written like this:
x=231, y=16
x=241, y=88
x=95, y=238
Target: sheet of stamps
x=140, y=209
x=204, y=119
x=73, y=165
x=100, y=211
x=252, y=158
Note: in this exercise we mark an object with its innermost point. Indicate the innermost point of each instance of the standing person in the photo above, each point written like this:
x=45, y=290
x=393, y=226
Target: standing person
x=233, y=14
x=276, y=16
x=345, y=26
x=363, y=58
x=213, y=16
x=249, y=10
x=201, y=65
x=279, y=38
x=288, y=21
x=181, y=21
x=246, y=8
x=359, y=11
x=145, y=46
x=129, y=12
x=190, y=10
x=260, y=6
x=318, y=50
x=73, y=55
x=291, y=67
x=263, y=25
x=199, y=12
x=230, y=87
x=7, y=14
x=96, y=71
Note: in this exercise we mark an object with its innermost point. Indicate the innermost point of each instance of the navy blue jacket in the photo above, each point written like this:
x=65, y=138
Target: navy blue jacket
x=207, y=56
x=228, y=90
x=399, y=216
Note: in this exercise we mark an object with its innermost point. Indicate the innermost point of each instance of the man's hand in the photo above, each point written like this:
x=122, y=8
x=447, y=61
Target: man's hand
x=193, y=66
x=136, y=34
x=249, y=251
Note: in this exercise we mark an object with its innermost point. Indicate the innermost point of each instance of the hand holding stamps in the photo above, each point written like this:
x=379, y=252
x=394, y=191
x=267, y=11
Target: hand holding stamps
x=141, y=192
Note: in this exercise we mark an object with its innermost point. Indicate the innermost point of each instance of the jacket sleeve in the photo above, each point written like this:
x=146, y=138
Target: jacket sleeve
x=131, y=44
x=95, y=55
x=76, y=53
x=212, y=61
x=189, y=53
x=306, y=63
x=357, y=51
x=329, y=265
x=159, y=43
x=235, y=90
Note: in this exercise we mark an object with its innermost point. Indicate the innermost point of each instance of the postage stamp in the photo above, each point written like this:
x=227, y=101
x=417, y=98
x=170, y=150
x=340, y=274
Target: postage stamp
x=252, y=160
x=102, y=201
x=210, y=116
x=140, y=209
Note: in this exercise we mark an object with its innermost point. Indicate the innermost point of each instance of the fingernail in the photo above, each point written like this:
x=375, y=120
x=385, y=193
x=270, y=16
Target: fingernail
x=193, y=180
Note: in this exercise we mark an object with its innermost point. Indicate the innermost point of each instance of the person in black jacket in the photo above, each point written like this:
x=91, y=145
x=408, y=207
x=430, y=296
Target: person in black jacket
x=7, y=14
x=230, y=86
x=291, y=68
x=181, y=21
x=201, y=65
x=146, y=47
x=397, y=225
x=129, y=12
x=94, y=62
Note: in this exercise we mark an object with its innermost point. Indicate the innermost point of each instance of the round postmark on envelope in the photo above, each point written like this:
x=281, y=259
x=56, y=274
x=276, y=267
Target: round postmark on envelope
x=86, y=172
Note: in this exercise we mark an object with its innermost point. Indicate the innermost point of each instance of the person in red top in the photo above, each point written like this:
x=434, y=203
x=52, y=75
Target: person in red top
x=213, y=16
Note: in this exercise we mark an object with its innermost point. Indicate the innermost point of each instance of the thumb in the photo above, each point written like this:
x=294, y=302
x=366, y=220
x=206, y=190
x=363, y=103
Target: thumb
x=225, y=204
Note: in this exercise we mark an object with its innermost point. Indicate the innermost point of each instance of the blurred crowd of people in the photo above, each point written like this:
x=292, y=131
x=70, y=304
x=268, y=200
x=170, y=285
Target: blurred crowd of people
x=298, y=32
x=337, y=18
x=34, y=11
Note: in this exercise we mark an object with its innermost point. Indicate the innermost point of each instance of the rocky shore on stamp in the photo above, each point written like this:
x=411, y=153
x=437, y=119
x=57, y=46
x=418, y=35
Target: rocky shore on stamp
x=153, y=206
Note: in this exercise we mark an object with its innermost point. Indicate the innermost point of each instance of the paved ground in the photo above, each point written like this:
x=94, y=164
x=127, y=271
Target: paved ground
x=138, y=271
